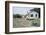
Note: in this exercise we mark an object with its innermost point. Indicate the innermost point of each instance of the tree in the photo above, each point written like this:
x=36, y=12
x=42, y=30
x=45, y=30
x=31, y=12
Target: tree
x=17, y=16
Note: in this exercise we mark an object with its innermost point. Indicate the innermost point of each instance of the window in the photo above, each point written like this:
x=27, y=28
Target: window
x=31, y=15
x=36, y=15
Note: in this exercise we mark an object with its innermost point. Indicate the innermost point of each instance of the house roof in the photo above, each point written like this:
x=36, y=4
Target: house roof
x=36, y=10
x=33, y=11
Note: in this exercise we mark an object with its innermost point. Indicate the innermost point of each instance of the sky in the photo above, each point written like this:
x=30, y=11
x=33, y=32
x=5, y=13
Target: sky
x=21, y=10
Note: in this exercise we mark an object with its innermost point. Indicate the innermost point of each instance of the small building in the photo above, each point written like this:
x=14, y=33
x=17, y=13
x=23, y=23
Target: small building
x=32, y=15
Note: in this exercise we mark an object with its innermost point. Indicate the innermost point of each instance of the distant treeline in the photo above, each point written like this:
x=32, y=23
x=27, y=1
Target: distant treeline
x=17, y=16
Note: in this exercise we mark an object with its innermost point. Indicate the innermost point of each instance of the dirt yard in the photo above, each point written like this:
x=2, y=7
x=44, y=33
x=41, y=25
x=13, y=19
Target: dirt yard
x=22, y=22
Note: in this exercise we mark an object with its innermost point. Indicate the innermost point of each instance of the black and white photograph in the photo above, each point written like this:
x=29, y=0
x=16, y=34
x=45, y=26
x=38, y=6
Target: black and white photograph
x=26, y=17
x=23, y=17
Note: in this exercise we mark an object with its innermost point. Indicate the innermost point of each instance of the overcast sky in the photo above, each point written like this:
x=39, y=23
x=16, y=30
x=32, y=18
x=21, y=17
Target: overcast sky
x=21, y=10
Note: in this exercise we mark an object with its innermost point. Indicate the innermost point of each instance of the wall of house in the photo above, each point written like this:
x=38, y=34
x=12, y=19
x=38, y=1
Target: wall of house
x=34, y=15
